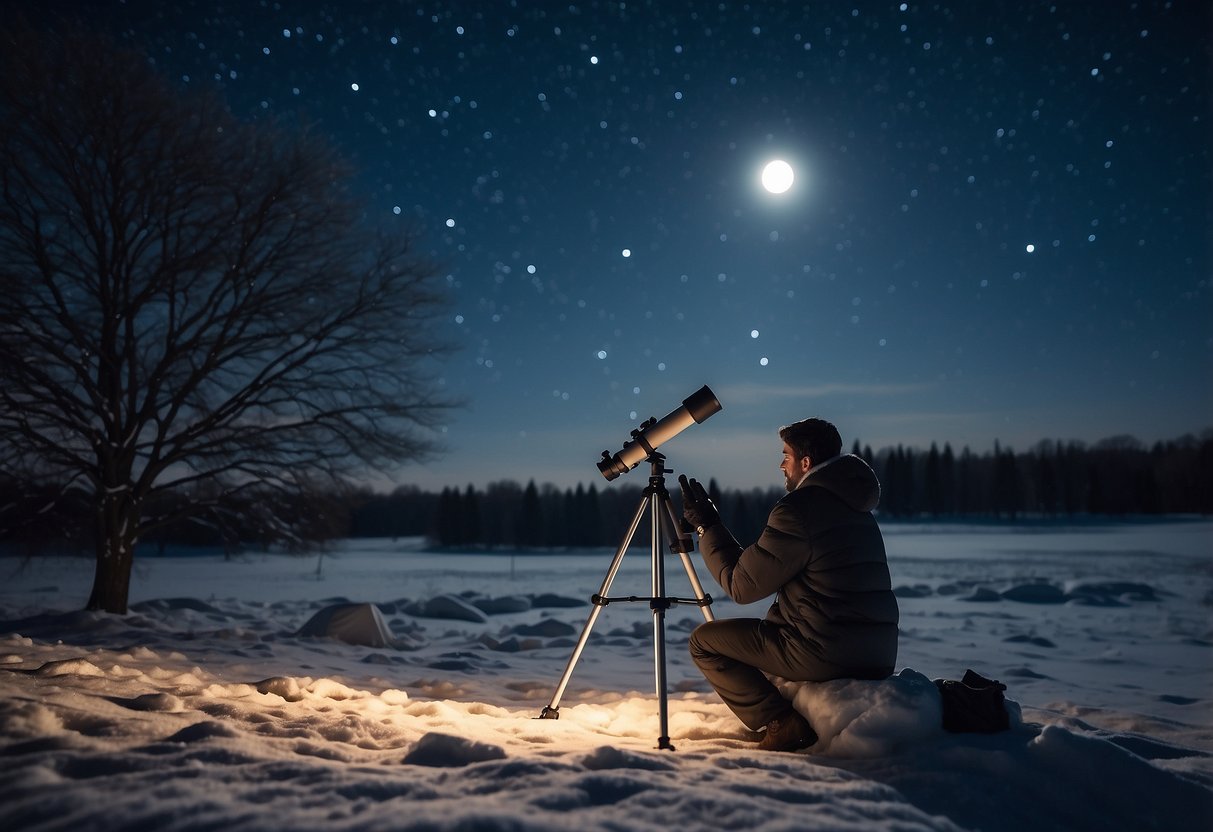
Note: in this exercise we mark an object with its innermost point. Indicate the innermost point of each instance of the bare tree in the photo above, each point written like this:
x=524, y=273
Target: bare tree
x=189, y=300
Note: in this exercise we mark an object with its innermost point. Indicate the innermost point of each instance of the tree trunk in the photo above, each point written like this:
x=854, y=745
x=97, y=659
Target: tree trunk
x=117, y=520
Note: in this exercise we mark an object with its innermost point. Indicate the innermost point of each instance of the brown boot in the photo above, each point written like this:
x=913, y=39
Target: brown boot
x=791, y=732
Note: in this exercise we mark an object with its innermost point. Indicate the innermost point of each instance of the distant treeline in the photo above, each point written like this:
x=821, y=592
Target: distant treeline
x=1116, y=477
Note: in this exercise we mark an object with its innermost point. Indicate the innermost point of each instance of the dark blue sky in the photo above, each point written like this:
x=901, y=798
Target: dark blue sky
x=999, y=229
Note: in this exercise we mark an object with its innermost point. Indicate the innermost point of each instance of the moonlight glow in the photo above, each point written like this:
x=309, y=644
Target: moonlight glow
x=777, y=176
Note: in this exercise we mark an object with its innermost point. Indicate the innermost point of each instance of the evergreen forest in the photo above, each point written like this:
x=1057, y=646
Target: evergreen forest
x=1054, y=482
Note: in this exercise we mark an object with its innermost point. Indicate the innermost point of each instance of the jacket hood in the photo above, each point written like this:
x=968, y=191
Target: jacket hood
x=849, y=478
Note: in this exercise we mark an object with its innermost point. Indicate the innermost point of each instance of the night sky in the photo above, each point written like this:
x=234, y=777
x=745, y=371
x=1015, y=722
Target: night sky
x=999, y=227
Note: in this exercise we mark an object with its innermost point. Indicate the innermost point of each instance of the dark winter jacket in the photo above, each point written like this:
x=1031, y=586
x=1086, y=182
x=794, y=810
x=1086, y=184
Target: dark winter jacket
x=822, y=554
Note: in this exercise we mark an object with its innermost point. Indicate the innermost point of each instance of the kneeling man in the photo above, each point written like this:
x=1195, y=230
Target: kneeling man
x=822, y=556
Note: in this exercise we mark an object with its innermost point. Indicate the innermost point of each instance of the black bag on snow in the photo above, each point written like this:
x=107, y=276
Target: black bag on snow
x=973, y=705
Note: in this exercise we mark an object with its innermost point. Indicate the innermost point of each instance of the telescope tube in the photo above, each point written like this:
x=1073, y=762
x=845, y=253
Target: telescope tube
x=695, y=409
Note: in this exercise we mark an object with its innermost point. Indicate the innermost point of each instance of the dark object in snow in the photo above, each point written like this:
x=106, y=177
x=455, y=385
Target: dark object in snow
x=974, y=705
x=352, y=623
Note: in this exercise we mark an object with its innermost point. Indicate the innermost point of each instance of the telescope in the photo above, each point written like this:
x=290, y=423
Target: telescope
x=653, y=433
x=664, y=526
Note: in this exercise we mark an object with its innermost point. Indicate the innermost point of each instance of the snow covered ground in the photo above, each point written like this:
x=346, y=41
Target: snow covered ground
x=202, y=708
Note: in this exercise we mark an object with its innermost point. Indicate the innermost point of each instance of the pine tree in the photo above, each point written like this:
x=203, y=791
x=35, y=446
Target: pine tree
x=449, y=521
x=909, y=482
x=934, y=482
x=530, y=521
x=948, y=479
x=592, y=517
x=1007, y=494
x=472, y=531
x=890, y=475
x=967, y=498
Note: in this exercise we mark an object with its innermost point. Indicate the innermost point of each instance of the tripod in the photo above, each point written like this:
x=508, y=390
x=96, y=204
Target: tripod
x=655, y=499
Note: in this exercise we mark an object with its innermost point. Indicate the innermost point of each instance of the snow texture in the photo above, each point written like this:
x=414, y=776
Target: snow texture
x=206, y=708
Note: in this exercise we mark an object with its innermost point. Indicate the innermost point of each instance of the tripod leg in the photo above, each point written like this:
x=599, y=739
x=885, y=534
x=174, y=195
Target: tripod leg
x=552, y=711
x=706, y=609
x=697, y=587
x=659, y=605
x=665, y=524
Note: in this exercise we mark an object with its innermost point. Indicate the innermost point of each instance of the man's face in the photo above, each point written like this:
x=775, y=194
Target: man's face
x=793, y=467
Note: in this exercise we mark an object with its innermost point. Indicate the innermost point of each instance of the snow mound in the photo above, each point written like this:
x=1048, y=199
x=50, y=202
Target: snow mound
x=448, y=607
x=1141, y=794
x=1035, y=593
x=165, y=703
x=1101, y=592
x=503, y=605
x=445, y=751
x=1084, y=592
x=547, y=600
x=360, y=624
x=28, y=719
x=606, y=757
x=69, y=667
x=864, y=719
x=202, y=731
x=285, y=686
x=547, y=628
x=173, y=605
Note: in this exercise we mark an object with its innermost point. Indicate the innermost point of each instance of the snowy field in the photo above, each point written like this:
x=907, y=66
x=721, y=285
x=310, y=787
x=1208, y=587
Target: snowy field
x=203, y=708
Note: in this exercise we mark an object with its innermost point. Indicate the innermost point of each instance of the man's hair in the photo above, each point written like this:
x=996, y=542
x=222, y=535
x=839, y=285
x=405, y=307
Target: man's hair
x=814, y=438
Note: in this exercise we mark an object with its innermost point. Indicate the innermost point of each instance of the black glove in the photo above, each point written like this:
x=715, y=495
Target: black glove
x=697, y=507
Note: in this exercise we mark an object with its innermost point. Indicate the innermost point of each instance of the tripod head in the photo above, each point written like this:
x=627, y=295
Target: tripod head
x=657, y=465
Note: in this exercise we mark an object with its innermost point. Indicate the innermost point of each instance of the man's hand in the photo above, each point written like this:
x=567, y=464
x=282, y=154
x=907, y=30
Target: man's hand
x=697, y=507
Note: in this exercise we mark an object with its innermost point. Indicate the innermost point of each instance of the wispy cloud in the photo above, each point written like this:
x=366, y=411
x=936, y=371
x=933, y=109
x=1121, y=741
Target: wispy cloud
x=751, y=393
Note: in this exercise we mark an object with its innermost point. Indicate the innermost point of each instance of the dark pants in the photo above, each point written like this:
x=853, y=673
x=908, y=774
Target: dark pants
x=736, y=654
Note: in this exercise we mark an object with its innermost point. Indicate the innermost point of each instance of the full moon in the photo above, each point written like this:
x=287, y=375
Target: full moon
x=777, y=176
